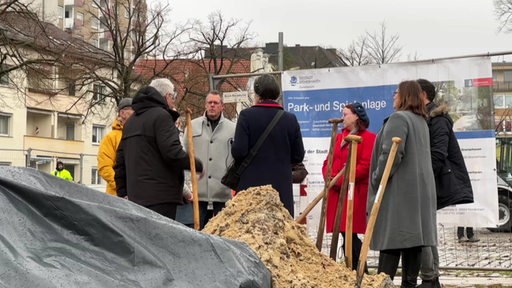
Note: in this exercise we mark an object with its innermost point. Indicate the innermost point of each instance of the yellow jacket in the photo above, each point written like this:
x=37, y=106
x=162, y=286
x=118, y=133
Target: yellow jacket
x=107, y=156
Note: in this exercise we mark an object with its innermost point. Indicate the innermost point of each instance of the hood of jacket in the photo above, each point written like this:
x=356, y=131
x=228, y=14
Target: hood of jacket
x=148, y=98
x=116, y=125
x=435, y=110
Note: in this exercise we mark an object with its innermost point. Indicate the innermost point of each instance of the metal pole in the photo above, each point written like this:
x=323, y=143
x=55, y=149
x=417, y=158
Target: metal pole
x=280, y=52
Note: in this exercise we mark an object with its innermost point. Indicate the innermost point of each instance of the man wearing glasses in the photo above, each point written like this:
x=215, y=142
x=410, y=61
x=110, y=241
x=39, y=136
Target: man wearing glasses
x=212, y=135
x=150, y=158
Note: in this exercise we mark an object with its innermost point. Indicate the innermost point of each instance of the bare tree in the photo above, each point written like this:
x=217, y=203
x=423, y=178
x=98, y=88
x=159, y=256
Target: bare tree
x=131, y=31
x=381, y=47
x=503, y=11
x=355, y=54
x=372, y=48
x=215, y=47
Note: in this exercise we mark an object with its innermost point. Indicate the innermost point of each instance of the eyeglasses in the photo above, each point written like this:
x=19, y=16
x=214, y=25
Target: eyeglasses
x=173, y=95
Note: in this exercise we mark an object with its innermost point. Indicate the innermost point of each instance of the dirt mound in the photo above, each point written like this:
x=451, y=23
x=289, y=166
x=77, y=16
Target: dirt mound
x=257, y=217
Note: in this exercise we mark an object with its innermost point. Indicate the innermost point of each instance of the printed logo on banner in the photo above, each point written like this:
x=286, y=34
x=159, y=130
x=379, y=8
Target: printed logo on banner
x=294, y=80
x=304, y=81
x=478, y=82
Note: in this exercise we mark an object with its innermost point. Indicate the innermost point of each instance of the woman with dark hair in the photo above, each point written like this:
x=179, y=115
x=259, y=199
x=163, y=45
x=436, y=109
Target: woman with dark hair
x=355, y=122
x=407, y=217
x=282, y=147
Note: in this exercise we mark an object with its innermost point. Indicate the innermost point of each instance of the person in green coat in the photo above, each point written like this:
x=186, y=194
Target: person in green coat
x=61, y=172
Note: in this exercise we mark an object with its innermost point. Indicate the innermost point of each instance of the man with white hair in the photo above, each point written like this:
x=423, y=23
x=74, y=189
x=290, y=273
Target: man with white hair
x=150, y=158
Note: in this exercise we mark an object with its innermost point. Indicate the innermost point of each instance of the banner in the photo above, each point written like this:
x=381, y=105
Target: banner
x=317, y=95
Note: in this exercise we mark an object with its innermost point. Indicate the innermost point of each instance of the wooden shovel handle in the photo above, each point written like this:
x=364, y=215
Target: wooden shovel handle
x=319, y=197
x=375, y=210
x=193, y=178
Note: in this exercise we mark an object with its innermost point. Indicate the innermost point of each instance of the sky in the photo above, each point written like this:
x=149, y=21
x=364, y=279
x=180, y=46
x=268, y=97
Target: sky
x=426, y=29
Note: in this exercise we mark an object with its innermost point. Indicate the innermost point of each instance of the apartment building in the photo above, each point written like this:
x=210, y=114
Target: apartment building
x=502, y=93
x=45, y=116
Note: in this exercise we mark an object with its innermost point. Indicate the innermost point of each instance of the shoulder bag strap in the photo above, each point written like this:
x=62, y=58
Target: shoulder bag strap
x=262, y=138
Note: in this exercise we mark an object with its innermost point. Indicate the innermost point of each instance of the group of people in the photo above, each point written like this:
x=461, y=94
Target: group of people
x=143, y=160
x=428, y=174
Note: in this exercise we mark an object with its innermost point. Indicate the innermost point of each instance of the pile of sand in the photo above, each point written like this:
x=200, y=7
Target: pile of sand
x=257, y=217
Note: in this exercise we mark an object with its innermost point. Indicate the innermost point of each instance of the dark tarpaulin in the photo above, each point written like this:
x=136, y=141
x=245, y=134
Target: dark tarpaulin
x=55, y=233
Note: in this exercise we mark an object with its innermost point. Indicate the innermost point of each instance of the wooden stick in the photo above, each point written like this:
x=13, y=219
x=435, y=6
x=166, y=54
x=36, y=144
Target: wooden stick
x=195, y=201
x=319, y=197
x=339, y=211
x=350, y=203
x=351, y=162
x=321, y=225
x=375, y=210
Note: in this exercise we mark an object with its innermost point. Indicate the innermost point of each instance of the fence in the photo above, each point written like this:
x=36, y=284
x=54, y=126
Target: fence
x=493, y=252
x=83, y=167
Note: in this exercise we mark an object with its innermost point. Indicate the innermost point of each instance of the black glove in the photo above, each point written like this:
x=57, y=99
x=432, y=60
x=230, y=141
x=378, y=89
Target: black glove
x=199, y=165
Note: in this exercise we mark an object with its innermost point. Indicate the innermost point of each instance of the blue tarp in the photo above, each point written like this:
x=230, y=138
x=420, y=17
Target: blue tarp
x=55, y=233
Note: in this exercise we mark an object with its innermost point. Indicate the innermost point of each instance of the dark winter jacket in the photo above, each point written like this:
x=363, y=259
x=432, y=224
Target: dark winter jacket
x=283, y=147
x=452, y=180
x=150, y=158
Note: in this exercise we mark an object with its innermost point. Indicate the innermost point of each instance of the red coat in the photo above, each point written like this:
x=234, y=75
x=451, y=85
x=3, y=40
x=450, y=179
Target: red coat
x=364, y=155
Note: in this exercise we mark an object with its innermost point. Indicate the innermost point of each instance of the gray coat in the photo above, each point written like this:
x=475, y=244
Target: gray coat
x=213, y=148
x=407, y=216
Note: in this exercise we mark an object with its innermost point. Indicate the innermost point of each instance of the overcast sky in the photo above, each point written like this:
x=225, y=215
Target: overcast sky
x=427, y=29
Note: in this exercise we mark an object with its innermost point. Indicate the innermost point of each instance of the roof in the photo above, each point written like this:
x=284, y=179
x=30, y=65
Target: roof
x=26, y=31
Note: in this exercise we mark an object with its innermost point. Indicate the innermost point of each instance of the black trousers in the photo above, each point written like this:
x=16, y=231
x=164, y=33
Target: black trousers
x=205, y=215
x=165, y=209
x=357, y=244
x=411, y=263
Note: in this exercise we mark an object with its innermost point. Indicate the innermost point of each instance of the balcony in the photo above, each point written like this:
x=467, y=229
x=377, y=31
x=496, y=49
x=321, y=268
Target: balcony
x=502, y=86
x=54, y=147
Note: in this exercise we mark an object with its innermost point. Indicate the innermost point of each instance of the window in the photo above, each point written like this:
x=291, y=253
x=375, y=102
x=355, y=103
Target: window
x=95, y=176
x=70, y=131
x=95, y=23
x=507, y=75
x=79, y=21
x=99, y=93
x=5, y=124
x=502, y=101
x=97, y=133
x=4, y=78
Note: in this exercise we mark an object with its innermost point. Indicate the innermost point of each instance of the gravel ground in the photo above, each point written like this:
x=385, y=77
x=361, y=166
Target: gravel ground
x=487, y=263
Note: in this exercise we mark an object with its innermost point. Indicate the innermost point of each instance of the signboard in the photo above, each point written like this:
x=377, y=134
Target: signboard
x=235, y=97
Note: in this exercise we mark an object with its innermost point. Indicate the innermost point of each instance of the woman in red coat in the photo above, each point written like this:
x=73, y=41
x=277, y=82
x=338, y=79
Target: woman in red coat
x=355, y=121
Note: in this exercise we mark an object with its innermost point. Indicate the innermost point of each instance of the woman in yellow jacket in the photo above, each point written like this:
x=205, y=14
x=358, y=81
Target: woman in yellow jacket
x=108, y=145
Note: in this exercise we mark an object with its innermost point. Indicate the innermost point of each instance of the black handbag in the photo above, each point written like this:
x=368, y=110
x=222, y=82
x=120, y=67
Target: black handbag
x=235, y=169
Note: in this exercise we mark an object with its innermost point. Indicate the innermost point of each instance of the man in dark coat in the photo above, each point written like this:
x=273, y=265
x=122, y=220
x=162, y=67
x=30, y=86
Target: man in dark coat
x=282, y=148
x=150, y=158
x=453, y=185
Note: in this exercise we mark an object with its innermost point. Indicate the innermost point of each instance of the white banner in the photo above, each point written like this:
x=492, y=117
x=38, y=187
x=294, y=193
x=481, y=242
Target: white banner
x=317, y=95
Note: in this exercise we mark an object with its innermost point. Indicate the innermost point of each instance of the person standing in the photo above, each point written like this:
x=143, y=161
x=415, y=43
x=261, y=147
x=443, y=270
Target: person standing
x=212, y=135
x=108, y=145
x=453, y=185
x=282, y=148
x=150, y=158
x=407, y=217
x=355, y=122
x=62, y=172
x=470, y=234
